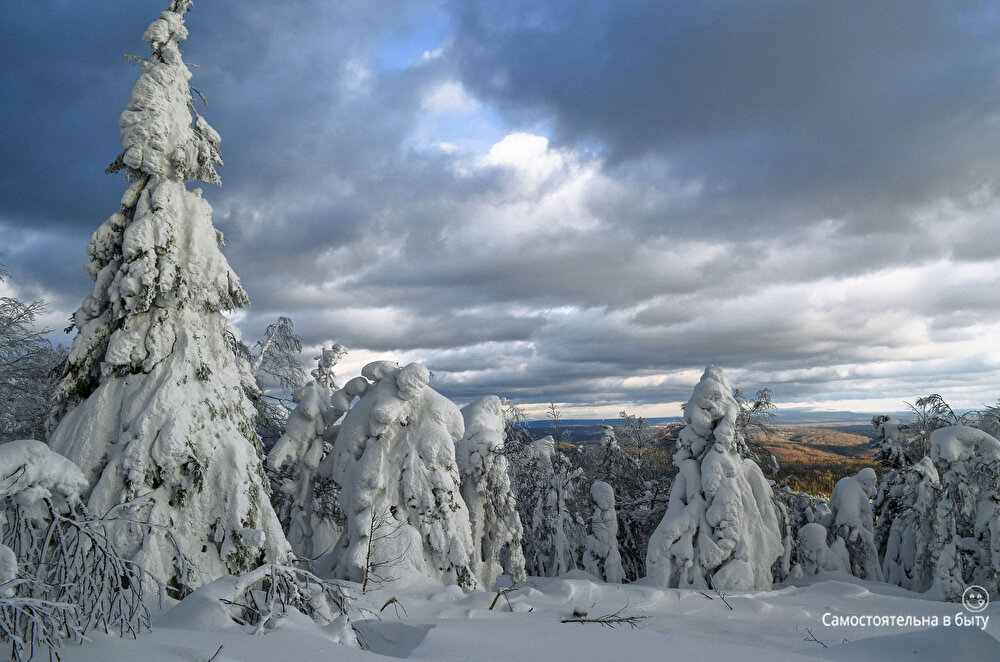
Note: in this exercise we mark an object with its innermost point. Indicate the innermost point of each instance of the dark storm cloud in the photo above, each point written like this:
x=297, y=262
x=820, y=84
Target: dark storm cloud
x=789, y=111
x=805, y=193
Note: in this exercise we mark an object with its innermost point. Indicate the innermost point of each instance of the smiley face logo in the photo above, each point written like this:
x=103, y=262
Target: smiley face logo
x=975, y=599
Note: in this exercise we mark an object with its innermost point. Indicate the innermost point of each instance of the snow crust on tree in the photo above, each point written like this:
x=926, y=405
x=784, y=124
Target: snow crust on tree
x=486, y=490
x=601, y=557
x=395, y=460
x=720, y=529
x=911, y=549
x=968, y=513
x=152, y=401
x=852, y=522
x=31, y=472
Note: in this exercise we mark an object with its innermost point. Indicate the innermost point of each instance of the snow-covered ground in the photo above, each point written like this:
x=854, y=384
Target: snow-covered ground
x=444, y=624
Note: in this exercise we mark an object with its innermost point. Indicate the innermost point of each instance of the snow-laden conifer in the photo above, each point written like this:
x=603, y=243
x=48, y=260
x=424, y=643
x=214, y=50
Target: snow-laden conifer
x=394, y=459
x=909, y=543
x=814, y=555
x=889, y=439
x=152, y=399
x=496, y=527
x=296, y=456
x=852, y=521
x=795, y=511
x=968, y=511
x=720, y=529
x=307, y=496
x=601, y=557
x=554, y=537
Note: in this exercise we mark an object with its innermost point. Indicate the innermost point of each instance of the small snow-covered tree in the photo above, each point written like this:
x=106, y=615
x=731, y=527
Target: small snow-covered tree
x=852, y=521
x=273, y=360
x=325, y=364
x=813, y=555
x=968, y=511
x=394, y=459
x=27, y=365
x=720, y=529
x=275, y=355
x=496, y=527
x=60, y=576
x=152, y=401
x=753, y=422
x=640, y=486
x=306, y=495
x=889, y=440
x=297, y=456
x=931, y=413
x=908, y=544
x=601, y=557
x=796, y=510
x=553, y=535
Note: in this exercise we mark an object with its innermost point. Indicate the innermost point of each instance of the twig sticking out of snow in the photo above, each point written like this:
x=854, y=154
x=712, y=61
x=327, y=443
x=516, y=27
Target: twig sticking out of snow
x=504, y=591
x=722, y=596
x=396, y=604
x=812, y=637
x=609, y=620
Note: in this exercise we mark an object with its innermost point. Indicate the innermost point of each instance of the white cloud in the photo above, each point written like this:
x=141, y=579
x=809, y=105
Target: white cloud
x=449, y=97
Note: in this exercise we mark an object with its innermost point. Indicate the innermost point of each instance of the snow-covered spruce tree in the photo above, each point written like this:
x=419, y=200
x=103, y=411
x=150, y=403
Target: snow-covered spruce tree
x=813, y=555
x=852, y=521
x=395, y=460
x=720, y=529
x=325, y=364
x=795, y=511
x=968, y=512
x=908, y=545
x=152, y=401
x=890, y=442
x=496, y=527
x=554, y=535
x=306, y=496
x=601, y=557
x=641, y=503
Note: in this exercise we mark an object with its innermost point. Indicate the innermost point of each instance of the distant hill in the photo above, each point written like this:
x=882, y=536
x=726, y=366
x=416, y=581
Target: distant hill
x=813, y=459
x=813, y=456
x=585, y=430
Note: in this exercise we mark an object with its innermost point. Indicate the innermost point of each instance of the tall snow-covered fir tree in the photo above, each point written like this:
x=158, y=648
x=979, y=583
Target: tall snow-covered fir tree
x=720, y=529
x=151, y=402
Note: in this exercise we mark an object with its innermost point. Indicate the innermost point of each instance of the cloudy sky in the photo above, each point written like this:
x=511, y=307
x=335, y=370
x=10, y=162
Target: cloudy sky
x=567, y=201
